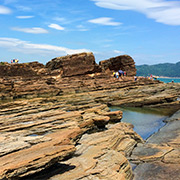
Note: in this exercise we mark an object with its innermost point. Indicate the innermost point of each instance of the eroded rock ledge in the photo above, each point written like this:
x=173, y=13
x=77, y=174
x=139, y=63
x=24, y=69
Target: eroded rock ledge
x=44, y=114
x=159, y=157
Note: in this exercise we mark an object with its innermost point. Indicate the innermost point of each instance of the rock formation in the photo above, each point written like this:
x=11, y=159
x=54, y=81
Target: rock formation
x=76, y=64
x=38, y=133
x=124, y=63
x=50, y=119
x=23, y=70
x=159, y=157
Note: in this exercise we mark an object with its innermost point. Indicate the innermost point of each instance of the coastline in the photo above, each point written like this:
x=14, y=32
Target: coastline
x=168, y=77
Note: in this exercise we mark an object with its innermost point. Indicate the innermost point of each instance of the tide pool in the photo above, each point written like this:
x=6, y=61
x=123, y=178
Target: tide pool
x=146, y=121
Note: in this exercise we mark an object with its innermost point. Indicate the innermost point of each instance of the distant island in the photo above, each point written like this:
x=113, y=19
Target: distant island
x=165, y=69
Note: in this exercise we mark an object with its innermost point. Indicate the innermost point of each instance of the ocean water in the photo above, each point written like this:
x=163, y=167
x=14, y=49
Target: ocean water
x=168, y=80
x=146, y=121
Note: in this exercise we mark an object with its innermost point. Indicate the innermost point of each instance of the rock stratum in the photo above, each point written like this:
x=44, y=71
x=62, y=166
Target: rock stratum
x=54, y=119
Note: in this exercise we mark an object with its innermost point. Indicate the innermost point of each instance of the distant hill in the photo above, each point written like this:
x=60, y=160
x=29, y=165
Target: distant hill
x=166, y=69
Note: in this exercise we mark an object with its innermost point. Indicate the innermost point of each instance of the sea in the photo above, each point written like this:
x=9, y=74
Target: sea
x=168, y=80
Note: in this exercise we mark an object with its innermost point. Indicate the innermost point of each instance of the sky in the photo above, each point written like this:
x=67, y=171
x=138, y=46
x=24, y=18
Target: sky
x=147, y=30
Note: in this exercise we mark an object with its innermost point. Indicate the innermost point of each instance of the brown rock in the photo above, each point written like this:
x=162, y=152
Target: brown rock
x=102, y=155
x=115, y=116
x=23, y=69
x=77, y=64
x=39, y=156
x=124, y=63
x=172, y=157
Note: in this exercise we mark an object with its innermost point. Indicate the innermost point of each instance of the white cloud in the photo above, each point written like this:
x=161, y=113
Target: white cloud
x=105, y=21
x=24, y=17
x=34, y=30
x=4, y=10
x=56, y=26
x=25, y=47
x=167, y=12
x=118, y=52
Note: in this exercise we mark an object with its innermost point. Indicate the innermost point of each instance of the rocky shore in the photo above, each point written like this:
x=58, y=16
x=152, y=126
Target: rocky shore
x=54, y=120
x=159, y=157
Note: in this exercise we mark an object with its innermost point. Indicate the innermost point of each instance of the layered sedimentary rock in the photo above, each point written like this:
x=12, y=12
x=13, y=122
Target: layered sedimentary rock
x=44, y=127
x=23, y=70
x=123, y=62
x=76, y=64
x=104, y=88
x=35, y=134
x=102, y=155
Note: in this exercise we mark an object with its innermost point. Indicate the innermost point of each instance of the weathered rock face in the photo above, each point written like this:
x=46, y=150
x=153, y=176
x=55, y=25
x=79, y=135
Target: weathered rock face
x=45, y=127
x=124, y=63
x=77, y=64
x=159, y=157
x=102, y=155
x=23, y=70
x=53, y=125
x=38, y=133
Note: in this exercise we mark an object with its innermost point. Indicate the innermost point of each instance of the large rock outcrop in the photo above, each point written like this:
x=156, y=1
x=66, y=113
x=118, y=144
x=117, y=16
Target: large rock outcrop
x=123, y=62
x=45, y=127
x=22, y=69
x=76, y=64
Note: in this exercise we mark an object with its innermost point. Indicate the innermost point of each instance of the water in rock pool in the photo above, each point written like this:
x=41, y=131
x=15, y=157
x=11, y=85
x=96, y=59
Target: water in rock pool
x=146, y=121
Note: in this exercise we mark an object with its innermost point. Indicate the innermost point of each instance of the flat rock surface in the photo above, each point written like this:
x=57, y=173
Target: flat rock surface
x=157, y=171
x=159, y=157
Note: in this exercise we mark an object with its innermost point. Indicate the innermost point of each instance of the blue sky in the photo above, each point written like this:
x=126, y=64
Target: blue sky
x=147, y=30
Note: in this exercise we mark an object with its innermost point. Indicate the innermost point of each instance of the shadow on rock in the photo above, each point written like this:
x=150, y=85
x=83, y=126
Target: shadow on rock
x=48, y=173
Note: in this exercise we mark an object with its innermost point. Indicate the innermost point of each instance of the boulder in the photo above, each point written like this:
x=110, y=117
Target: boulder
x=123, y=62
x=76, y=64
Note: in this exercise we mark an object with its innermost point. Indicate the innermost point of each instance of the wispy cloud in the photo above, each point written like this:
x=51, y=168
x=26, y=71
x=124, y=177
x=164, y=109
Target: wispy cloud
x=105, y=21
x=24, y=17
x=163, y=11
x=17, y=45
x=119, y=52
x=4, y=10
x=34, y=30
x=82, y=28
x=56, y=26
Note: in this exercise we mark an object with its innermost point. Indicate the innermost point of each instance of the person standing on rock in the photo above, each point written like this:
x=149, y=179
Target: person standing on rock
x=135, y=78
x=117, y=75
x=114, y=74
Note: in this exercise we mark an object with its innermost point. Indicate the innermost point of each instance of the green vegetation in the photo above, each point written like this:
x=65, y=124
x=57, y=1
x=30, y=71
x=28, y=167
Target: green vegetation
x=166, y=69
x=2, y=63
